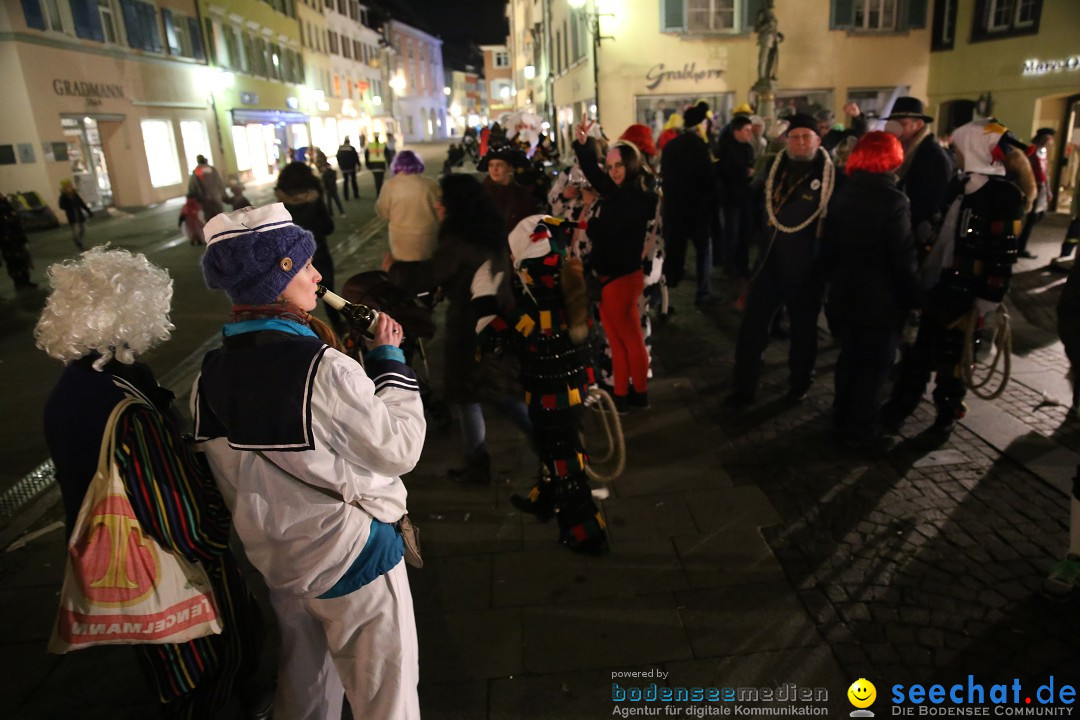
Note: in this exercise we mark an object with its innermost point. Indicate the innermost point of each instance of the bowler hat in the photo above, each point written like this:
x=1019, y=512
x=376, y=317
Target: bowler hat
x=909, y=107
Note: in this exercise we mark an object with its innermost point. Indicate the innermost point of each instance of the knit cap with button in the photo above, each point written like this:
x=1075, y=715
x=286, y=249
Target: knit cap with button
x=253, y=253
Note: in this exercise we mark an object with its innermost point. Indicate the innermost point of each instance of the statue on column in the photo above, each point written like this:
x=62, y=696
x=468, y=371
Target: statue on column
x=769, y=39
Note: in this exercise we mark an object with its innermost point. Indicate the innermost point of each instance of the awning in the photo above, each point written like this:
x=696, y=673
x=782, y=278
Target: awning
x=243, y=117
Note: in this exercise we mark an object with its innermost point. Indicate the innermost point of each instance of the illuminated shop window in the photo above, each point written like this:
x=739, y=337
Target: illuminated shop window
x=161, y=156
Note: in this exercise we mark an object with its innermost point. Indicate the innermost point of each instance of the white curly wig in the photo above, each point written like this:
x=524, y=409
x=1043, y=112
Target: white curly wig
x=106, y=300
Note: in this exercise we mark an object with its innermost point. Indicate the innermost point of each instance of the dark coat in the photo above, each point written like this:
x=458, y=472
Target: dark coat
x=689, y=180
x=309, y=211
x=869, y=255
x=926, y=182
x=452, y=267
x=348, y=159
x=733, y=161
x=514, y=202
x=74, y=206
x=617, y=229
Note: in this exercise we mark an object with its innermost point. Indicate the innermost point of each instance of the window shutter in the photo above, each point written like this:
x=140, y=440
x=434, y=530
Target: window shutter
x=672, y=15
x=150, y=27
x=87, y=20
x=842, y=14
x=34, y=17
x=132, y=23
x=196, y=39
x=170, y=32
x=752, y=7
x=916, y=14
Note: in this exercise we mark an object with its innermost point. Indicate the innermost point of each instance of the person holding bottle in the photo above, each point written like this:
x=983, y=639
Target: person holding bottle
x=308, y=447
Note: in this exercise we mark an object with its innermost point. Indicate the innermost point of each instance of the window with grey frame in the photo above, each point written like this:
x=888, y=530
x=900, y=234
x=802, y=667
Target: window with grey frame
x=711, y=15
x=995, y=19
x=107, y=13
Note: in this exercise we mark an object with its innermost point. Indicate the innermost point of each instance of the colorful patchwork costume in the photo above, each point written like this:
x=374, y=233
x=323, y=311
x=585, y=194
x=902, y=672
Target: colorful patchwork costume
x=550, y=308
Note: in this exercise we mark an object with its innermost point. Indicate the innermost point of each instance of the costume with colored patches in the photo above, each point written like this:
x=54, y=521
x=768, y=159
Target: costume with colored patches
x=550, y=315
x=970, y=268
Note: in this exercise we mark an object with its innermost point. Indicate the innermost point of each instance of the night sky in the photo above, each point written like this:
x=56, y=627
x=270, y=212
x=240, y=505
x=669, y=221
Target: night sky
x=460, y=23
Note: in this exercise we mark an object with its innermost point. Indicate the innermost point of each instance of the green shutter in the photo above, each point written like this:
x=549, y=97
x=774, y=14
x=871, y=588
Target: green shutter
x=916, y=14
x=672, y=15
x=842, y=14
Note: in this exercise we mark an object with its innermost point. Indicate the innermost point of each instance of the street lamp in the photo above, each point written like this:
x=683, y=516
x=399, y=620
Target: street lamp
x=593, y=19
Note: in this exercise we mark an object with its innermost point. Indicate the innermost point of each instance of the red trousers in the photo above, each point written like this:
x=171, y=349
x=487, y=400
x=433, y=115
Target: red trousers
x=622, y=324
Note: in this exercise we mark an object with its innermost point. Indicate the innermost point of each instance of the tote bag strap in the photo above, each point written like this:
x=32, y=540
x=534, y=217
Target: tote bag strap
x=108, y=438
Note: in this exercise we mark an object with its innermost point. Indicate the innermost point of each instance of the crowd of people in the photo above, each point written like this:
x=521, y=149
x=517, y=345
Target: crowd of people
x=549, y=284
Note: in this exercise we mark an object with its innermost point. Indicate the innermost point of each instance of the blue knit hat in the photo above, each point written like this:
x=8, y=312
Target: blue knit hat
x=253, y=253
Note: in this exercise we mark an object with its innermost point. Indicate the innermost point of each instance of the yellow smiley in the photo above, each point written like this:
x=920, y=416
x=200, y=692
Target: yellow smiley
x=862, y=693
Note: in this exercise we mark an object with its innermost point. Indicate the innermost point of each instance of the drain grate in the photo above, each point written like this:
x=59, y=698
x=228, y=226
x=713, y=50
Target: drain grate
x=35, y=482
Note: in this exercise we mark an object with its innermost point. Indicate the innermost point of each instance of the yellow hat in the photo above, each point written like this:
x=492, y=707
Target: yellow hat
x=743, y=109
x=674, y=122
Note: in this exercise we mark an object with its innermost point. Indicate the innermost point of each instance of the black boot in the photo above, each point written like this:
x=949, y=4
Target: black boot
x=476, y=472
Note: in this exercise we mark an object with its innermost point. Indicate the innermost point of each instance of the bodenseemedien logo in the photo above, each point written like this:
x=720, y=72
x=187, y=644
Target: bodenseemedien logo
x=862, y=694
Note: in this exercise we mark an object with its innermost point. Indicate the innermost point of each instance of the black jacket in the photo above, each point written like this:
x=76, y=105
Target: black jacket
x=869, y=255
x=734, y=160
x=309, y=211
x=348, y=159
x=927, y=181
x=689, y=180
x=618, y=227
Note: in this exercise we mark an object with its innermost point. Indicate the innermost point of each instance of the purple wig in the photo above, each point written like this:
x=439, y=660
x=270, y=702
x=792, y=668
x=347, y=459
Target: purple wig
x=406, y=162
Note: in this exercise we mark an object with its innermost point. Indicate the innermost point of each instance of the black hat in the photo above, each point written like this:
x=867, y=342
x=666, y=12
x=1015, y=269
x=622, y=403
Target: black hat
x=694, y=115
x=506, y=153
x=908, y=107
x=802, y=120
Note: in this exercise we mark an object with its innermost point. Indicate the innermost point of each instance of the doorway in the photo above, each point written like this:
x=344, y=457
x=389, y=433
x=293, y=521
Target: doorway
x=1068, y=165
x=89, y=168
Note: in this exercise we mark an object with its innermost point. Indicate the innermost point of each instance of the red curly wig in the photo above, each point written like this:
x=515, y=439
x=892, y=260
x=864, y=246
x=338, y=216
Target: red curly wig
x=877, y=152
x=641, y=136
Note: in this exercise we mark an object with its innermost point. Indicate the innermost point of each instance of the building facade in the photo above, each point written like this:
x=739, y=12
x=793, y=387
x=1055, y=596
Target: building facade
x=1019, y=61
x=356, y=76
x=111, y=94
x=656, y=56
x=467, y=108
x=499, y=80
x=418, y=82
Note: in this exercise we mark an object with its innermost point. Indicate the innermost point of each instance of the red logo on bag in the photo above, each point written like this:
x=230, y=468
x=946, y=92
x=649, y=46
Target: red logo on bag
x=115, y=563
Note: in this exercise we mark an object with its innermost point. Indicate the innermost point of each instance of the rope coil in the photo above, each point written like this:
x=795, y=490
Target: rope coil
x=1001, y=338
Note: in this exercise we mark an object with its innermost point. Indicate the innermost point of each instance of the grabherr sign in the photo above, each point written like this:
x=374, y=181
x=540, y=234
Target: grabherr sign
x=657, y=74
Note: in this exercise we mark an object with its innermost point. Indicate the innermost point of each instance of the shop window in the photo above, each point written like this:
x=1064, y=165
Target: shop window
x=337, y=86
x=1005, y=18
x=877, y=15
x=240, y=148
x=161, y=157
x=944, y=28
x=196, y=141
x=873, y=101
x=655, y=110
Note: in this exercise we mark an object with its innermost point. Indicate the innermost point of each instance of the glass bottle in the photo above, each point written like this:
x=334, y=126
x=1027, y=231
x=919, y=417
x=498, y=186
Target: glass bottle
x=361, y=317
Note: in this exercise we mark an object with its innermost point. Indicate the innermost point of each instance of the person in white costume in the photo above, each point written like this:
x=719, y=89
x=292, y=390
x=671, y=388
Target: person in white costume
x=307, y=448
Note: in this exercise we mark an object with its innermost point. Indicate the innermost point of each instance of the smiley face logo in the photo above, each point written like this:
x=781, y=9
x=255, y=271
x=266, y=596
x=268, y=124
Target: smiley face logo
x=862, y=693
